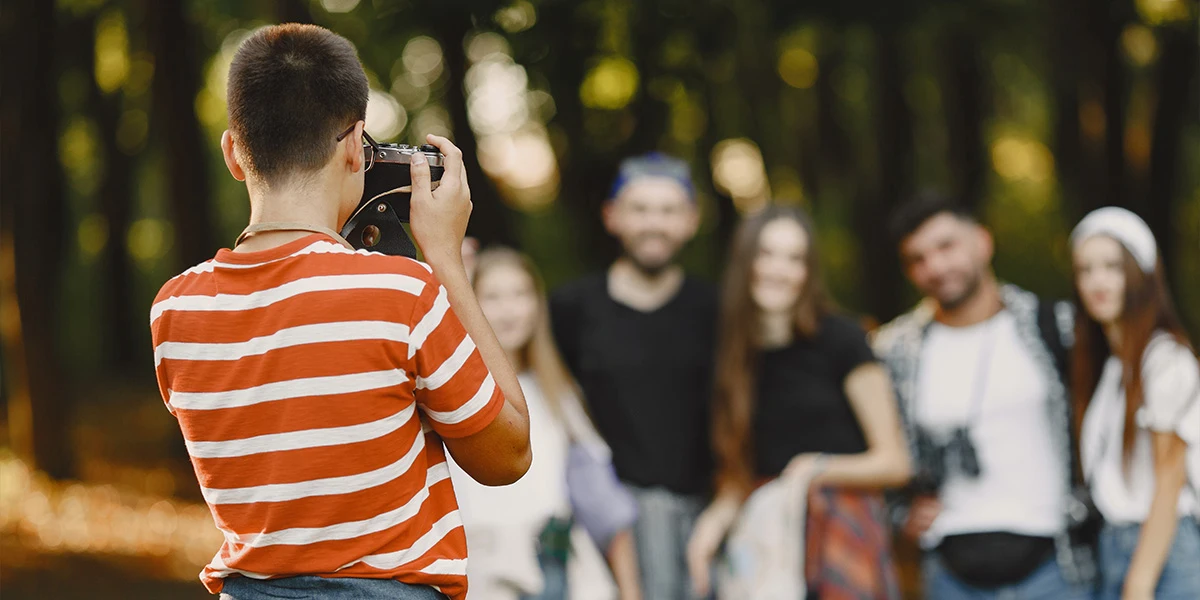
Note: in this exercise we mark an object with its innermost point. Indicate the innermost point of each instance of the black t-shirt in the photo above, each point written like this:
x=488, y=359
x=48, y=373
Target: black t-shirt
x=646, y=378
x=801, y=403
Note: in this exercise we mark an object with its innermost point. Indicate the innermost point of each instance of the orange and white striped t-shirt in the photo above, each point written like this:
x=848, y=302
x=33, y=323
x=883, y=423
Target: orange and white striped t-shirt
x=303, y=378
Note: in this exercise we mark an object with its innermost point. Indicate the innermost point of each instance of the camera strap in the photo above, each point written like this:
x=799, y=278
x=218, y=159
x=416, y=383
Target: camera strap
x=983, y=372
x=290, y=226
x=982, y=375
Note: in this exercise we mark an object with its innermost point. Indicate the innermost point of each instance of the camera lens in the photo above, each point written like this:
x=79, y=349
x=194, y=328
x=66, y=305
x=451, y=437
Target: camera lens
x=370, y=236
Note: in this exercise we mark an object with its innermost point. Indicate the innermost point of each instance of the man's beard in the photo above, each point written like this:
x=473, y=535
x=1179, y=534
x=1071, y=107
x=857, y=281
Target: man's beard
x=969, y=292
x=649, y=270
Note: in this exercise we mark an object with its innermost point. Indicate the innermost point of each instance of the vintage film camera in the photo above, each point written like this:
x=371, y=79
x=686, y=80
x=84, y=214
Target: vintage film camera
x=377, y=223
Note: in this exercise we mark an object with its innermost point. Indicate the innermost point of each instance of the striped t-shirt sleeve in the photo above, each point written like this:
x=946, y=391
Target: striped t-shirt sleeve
x=453, y=386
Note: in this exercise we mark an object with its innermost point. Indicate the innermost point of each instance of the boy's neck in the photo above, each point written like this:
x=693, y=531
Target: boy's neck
x=304, y=204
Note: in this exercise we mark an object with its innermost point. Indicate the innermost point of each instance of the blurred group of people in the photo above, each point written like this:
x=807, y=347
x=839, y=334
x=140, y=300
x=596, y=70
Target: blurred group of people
x=1033, y=448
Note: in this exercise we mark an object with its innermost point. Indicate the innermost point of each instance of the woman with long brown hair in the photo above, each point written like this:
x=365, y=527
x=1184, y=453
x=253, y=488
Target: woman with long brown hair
x=799, y=393
x=521, y=537
x=1136, y=387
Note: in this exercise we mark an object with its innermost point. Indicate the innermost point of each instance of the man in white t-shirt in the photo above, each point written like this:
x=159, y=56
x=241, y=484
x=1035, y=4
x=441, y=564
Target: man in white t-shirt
x=978, y=373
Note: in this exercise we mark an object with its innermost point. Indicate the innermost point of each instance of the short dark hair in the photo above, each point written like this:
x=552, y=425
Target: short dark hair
x=914, y=213
x=292, y=89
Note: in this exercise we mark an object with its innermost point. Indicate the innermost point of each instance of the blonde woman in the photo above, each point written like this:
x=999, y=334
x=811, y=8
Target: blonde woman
x=519, y=537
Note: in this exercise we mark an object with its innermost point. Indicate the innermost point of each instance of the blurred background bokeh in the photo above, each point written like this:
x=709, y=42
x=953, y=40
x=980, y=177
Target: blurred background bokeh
x=1033, y=111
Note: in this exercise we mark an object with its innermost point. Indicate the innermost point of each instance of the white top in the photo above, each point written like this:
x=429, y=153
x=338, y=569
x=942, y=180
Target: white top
x=1171, y=403
x=502, y=523
x=1022, y=484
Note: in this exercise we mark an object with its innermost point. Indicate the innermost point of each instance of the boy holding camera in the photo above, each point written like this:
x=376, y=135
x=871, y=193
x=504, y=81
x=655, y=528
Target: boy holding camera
x=315, y=385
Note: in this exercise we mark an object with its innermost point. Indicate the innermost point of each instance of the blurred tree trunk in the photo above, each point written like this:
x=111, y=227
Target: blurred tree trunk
x=721, y=105
x=1104, y=89
x=757, y=80
x=292, y=11
x=639, y=127
x=1063, y=41
x=963, y=105
x=1176, y=101
x=120, y=344
x=651, y=115
x=1090, y=93
x=1115, y=82
x=833, y=146
x=492, y=221
x=717, y=129
x=880, y=281
x=585, y=172
x=32, y=237
x=176, y=83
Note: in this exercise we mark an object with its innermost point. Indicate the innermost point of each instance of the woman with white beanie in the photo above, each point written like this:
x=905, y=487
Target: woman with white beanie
x=1136, y=387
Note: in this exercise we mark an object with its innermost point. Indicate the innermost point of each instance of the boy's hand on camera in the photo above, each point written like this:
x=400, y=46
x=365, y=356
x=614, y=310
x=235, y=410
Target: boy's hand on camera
x=439, y=217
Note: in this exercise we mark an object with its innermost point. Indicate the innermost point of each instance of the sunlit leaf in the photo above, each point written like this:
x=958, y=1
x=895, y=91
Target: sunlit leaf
x=1160, y=12
x=386, y=118
x=149, y=240
x=132, y=130
x=798, y=68
x=738, y=170
x=339, y=6
x=519, y=16
x=610, y=84
x=112, y=51
x=92, y=235
x=79, y=152
x=1139, y=44
x=1022, y=158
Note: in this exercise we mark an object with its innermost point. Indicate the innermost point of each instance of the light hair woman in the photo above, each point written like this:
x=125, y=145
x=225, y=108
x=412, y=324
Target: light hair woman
x=519, y=537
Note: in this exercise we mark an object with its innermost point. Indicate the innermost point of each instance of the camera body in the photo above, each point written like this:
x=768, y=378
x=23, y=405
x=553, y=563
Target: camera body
x=377, y=222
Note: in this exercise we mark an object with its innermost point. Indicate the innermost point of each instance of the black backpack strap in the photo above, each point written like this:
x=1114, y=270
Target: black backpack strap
x=1047, y=322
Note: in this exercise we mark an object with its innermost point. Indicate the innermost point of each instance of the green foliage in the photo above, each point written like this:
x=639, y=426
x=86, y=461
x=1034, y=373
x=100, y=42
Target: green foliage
x=601, y=79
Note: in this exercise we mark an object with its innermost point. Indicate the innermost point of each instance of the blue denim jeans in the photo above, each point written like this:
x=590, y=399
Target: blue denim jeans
x=664, y=524
x=554, y=578
x=1046, y=583
x=325, y=588
x=1180, y=579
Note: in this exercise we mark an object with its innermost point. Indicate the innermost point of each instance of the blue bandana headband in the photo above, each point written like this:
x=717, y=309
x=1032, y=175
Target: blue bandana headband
x=654, y=164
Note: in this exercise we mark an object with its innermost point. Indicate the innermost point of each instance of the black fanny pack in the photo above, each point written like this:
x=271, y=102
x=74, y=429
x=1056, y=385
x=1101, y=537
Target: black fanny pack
x=994, y=559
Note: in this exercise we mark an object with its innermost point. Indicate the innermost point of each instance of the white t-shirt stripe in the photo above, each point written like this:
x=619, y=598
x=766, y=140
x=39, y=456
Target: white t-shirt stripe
x=269, y=296
x=392, y=560
x=428, y=322
x=283, y=492
x=338, y=331
x=308, y=438
x=443, y=566
x=285, y=390
x=448, y=368
x=300, y=536
x=468, y=410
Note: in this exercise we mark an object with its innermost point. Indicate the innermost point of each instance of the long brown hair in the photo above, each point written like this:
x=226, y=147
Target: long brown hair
x=739, y=343
x=540, y=355
x=1147, y=309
